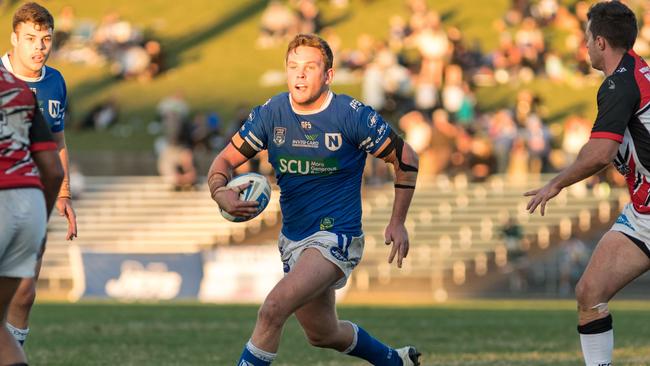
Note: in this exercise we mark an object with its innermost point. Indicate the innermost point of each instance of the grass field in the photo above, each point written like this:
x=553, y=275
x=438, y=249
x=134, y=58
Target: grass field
x=463, y=333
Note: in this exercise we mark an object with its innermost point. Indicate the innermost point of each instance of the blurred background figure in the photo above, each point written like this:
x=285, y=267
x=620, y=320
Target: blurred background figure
x=176, y=158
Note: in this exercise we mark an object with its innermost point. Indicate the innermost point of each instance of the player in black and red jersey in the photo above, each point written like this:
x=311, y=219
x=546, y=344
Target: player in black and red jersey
x=621, y=134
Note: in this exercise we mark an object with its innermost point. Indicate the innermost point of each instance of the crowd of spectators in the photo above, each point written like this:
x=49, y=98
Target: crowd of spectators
x=113, y=41
x=424, y=75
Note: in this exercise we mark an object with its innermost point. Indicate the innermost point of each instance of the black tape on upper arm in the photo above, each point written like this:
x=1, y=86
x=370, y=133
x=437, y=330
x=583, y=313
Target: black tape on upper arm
x=246, y=149
x=399, y=146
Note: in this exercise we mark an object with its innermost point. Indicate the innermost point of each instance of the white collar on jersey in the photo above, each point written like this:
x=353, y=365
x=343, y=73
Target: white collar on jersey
x=326, y=104
x=7, y=65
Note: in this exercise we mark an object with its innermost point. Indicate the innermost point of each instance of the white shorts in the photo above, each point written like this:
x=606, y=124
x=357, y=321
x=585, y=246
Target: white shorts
x=635, y=226
x=344, y=251
x=22, y=229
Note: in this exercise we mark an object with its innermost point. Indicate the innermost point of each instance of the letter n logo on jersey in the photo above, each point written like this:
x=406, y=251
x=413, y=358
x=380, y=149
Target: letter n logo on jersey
x=279, y=135
x=333, y=141
x=54, y=108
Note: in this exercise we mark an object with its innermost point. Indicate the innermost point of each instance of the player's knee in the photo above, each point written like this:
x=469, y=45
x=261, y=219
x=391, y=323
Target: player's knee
x=272, y=313
x=589, y=293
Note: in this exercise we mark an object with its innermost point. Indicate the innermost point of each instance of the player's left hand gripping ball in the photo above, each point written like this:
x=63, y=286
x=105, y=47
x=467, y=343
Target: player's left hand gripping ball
x=259, y=190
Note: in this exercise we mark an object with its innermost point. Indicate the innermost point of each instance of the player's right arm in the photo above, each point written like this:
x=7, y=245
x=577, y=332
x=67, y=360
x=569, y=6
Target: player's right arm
x=220, y=174
x=617, y=102
x=244, y=145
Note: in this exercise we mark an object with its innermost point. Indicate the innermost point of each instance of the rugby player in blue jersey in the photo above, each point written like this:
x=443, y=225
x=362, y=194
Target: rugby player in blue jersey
x=317, y=142
x=31, y=39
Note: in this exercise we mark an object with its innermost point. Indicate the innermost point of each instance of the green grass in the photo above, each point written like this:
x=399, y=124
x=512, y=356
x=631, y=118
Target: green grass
x=464, y=333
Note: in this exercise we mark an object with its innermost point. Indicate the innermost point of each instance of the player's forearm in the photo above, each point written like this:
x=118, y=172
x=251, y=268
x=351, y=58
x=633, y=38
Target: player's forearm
x=401, y=205
x=62, y=148
x=65, y=192
x=220, y=174
x=591, y=159
x=222, y=167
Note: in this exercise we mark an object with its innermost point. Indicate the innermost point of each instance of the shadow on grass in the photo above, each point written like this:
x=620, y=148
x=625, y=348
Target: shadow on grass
x=90, y=87
x=176, y=47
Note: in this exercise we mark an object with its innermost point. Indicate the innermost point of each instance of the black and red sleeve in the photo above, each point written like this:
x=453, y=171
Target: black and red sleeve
x=618, y=99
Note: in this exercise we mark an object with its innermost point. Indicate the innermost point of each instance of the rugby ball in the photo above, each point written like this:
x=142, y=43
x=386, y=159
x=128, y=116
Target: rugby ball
x=259, y=190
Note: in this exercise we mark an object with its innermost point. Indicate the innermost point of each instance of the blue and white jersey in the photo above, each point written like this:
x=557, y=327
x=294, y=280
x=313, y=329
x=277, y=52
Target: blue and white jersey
x=318, y=159
x=51, y=94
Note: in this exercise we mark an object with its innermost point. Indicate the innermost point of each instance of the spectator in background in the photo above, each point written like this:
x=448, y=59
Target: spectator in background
x=453, y=93
x=553, y=67
x=278, y=22
x=397, y=32
x=480, y=158
x=64, y=26
x=426, y=93
x=519, y=160
x=360, y=57
x=642, y=45
x=78, y=181
x=577, y=130
x=418, y=133
x=538, y=140
x=132, y=62
x=176, y=159
x=309, y=17
x=502, y=131
x=102, y=116
x=206, y=132
x=530, y=41
x=372, y=86
x=442, y=141
x=417, y=7
x=396, y=82
x=156, y=59
x=513, y=235
x=114, y=34
x=573, y=257
x=465, y=116
x=527, y=105
x=431, y=41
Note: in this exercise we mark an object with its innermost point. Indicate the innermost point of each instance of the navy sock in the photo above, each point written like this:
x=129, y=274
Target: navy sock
x=372, y=350
x=253, y=356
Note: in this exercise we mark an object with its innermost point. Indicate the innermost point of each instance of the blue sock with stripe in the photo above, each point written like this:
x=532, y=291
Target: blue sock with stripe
x=372, y=350
x=253, y=356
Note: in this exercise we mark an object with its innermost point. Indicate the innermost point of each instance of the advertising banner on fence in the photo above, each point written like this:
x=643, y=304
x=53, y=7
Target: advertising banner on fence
x=241, y=274
x=136, y=276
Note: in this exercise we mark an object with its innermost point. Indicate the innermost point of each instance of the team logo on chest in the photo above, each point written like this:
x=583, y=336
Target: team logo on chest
x=279, y=135
x=54, y=108
x=333, y=141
